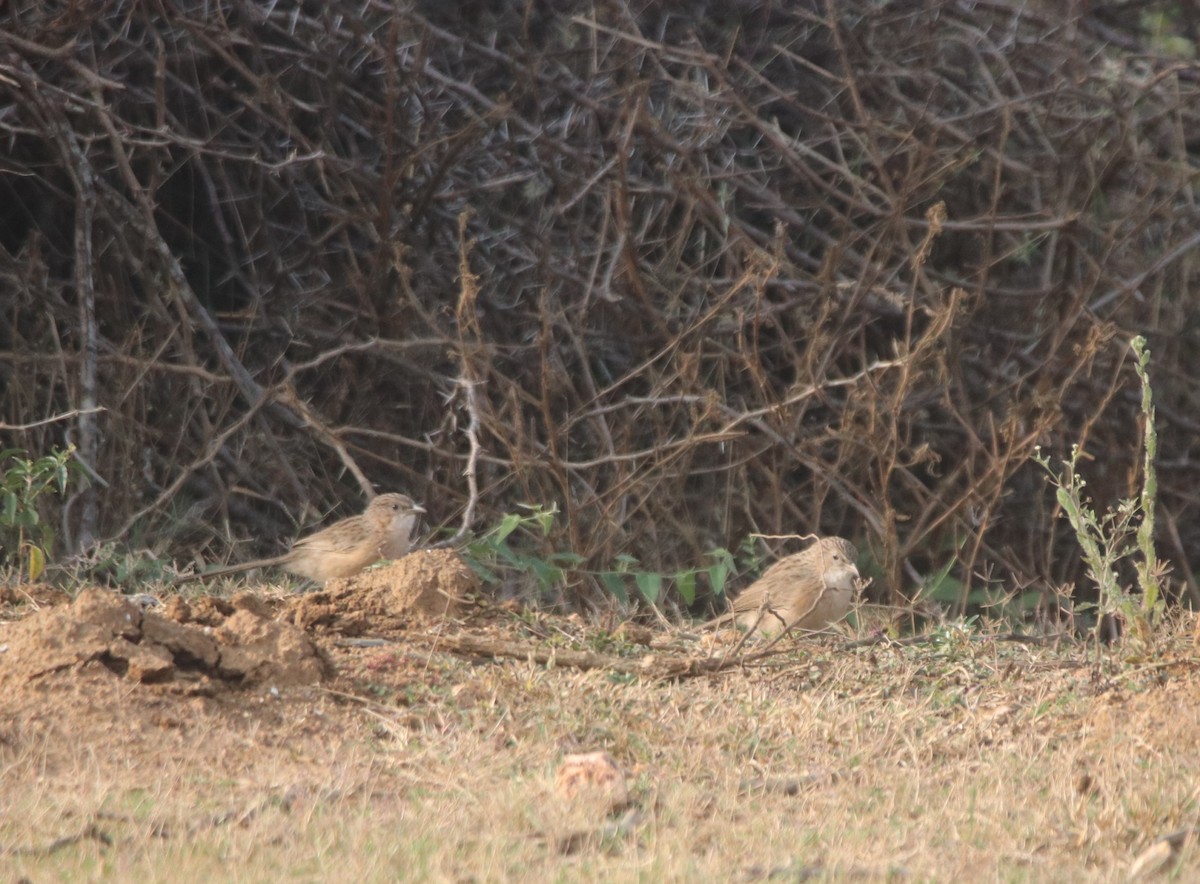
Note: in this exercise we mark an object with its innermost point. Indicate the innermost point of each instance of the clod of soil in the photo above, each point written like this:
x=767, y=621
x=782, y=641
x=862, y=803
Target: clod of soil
x=103, y=627
x=40, y=595
x=426, y=583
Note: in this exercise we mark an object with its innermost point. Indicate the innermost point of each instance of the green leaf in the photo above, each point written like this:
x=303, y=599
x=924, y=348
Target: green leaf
x=942, y=586
x=685, y=582
x=507, y=555
x=543, y=516
x=546, y=574
x=717, y=575
x=486, y=574
x=624, y=562
x=649, y=584
x=478, y=549
x=507, y=526
x=615, y=585
x=723, y=556
x=60, y=475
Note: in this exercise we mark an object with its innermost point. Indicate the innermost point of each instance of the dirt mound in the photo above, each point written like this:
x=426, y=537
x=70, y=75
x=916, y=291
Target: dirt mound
x=246, y=640
x=104, y=628
x=127, y=692
x=426, y=583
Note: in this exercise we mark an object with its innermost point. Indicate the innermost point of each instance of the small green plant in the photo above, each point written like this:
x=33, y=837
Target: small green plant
x=120, y=564
x=650, y=584
x=494, y=551
x=1121, y=532
x=24, y=538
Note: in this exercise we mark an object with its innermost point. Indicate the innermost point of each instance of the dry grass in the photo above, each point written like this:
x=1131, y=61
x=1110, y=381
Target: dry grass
x=955, y=759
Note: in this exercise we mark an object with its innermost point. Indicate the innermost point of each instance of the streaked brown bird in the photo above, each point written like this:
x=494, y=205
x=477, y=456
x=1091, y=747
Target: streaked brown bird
x=811, y=589
x=382, y=531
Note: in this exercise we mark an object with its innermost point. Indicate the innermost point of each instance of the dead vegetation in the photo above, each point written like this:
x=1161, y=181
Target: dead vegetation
x=816, y=266
x=415, y=759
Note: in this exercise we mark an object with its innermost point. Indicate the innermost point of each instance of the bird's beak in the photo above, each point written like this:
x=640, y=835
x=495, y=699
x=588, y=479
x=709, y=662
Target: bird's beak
x=417, y=508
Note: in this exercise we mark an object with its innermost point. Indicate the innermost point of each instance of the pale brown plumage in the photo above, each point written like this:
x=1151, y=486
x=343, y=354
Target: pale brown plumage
x=811, y=589
x=382, y=531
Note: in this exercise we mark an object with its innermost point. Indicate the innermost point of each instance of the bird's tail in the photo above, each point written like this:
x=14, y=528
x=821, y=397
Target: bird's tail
x=231, y=569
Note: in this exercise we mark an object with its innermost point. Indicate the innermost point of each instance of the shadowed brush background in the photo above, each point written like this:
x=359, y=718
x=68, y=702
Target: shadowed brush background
x=715, y=294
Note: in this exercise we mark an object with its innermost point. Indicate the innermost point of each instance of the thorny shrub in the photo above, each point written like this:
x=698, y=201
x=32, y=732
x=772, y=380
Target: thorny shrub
x=787, y=268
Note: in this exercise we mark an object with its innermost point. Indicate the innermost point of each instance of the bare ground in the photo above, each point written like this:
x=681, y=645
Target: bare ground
x=332, y=736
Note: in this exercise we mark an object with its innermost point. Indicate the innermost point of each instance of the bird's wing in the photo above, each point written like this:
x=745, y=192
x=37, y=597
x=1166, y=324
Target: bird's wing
x=749, y=599
x=772, y=583
x=343, y=537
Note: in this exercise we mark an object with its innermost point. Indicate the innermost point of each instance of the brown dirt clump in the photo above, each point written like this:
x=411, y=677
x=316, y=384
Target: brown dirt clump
x=40, y=595
x=426, y=583
x=144, y=646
